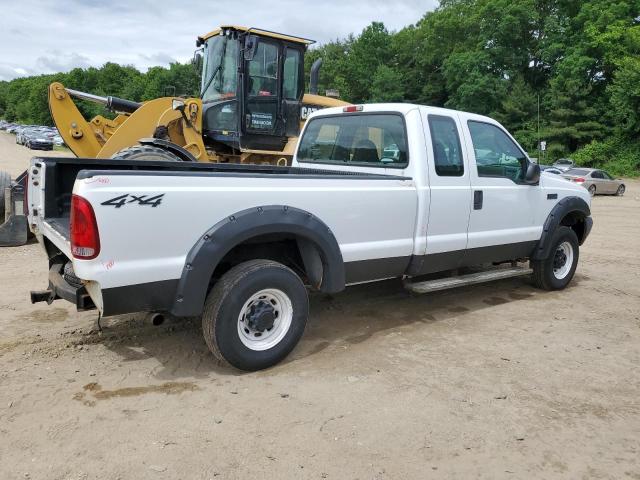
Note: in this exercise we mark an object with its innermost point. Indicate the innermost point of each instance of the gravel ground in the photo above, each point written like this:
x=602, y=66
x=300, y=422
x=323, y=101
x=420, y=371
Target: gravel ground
x=493, y=381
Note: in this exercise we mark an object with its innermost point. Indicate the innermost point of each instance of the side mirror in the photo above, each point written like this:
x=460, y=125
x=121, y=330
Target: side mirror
x=250, y=47
x=196, y=61
x=532, y=175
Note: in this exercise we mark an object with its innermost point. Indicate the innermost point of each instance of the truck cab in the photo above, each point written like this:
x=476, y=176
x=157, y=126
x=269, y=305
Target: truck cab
x=479, y=197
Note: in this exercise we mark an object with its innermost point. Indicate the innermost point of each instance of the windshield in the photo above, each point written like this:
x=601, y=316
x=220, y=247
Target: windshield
x=577, y=171
x=220, y=67
x=564, y=161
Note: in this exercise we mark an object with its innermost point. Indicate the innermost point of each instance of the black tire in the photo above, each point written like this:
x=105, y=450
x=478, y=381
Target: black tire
x=592, y=190
x=145, y=152
x=70, y=276
x=221, y=322
x=5, y=182
x=620, y=191
x=549, y=274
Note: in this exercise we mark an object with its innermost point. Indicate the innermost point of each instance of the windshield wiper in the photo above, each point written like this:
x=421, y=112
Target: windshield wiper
x=208, y=84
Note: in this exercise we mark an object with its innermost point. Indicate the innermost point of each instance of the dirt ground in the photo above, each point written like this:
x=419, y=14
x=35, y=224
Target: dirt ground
x=493, y=381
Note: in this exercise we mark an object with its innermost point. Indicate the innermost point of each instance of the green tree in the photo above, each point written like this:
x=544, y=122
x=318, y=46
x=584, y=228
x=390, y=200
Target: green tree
x=387, y=85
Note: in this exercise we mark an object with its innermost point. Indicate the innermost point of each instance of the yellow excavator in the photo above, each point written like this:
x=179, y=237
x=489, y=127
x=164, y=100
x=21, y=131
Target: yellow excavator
x=250, y=110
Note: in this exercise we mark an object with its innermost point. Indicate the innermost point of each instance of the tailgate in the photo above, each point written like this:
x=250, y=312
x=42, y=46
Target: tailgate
x=49, y=200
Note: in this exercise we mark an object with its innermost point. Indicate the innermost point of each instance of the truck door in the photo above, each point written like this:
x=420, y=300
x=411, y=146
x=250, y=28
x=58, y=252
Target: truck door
x=450, y=190
x=502, y=222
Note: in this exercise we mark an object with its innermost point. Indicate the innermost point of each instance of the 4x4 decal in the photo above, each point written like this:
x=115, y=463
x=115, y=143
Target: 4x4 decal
x=128, y=198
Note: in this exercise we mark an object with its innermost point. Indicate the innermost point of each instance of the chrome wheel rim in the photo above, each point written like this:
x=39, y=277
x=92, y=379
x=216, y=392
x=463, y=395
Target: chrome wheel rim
x=592, y=190
x=265, y=318
x=620, y=189
x=563, y=260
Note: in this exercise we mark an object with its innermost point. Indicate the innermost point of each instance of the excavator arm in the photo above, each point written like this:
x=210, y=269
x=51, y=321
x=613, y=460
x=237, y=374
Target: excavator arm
x=102, y=137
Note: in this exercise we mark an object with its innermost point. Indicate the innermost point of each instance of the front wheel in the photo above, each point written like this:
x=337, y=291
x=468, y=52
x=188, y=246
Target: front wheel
x=556, y=271
x=592, y=190
x=255, y=314
x=620, y=191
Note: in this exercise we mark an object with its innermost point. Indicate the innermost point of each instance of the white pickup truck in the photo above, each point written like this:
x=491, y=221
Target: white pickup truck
x=437, y=197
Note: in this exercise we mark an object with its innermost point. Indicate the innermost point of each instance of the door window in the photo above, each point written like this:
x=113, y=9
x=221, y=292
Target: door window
x=496, y=154
x=263, y=71
x=376, y=140
x=447, y=153
x=291, y=77
x=597, y=174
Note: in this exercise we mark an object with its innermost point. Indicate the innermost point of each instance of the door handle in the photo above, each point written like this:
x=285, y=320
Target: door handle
x=477, y=199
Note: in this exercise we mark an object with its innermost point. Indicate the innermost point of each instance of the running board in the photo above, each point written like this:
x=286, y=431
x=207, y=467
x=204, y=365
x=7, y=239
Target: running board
x=464, y=280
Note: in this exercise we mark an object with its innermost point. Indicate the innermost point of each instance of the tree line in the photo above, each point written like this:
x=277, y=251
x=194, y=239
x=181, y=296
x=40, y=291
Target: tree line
x=563, y=71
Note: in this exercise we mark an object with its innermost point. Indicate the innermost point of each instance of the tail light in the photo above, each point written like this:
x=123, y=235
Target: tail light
x=85, y=239
x=579, y=180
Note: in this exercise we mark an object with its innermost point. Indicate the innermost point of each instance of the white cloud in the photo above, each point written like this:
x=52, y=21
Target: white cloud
x=58, y=36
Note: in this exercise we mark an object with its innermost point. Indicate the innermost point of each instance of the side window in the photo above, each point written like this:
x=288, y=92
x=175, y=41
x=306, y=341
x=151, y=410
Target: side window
x=291, y=76
x=375, y=140
x=263, y=71
x=597, y=174
x=447, y=152
x=496, y=154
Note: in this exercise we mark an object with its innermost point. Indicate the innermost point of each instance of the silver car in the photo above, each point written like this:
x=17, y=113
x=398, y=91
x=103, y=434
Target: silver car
x=564, y=164
x=596, y=181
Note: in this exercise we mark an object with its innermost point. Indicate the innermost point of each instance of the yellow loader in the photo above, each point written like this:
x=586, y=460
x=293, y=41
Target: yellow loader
x=250, y=110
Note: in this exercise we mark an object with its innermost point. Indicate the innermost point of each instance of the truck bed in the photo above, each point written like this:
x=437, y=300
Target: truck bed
x=62, y=172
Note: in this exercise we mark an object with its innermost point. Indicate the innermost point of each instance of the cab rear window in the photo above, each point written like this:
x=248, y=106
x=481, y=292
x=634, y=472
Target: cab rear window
x=371, y=140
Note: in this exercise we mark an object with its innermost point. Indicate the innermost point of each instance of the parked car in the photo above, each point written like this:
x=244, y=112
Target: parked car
x=255, y=235
x=596, y=181
x=551, y=169
x=21, y=134
x=564, y=164
x=37, y=141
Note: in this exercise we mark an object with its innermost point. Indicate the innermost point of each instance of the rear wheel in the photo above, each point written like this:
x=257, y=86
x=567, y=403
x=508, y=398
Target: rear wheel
x=556, y=271
x=145, y=152
x=620, y=190
x=592, y=190
x=255, y=314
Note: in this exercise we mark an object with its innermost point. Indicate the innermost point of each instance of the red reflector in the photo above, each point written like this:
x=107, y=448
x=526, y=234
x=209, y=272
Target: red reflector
x=85, y=239
x=352, y=108
x=579, y=180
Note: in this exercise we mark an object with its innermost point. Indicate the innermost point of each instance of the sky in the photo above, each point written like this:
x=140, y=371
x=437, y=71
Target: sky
x=43, y=36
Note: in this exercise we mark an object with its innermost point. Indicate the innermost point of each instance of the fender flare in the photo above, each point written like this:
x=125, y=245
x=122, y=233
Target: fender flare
x=216, y=242
x=564, y=207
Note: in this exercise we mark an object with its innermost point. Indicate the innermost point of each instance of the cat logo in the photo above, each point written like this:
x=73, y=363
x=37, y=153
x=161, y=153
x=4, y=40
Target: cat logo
x=305, y=111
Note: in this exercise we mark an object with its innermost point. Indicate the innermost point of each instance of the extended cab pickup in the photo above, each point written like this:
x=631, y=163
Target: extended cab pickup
x=437, y=197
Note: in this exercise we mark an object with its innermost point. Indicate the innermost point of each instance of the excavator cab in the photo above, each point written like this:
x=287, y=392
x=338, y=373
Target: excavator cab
x=252, y=88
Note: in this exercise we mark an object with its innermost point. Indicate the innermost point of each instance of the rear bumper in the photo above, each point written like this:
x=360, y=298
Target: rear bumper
x=59, y=288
